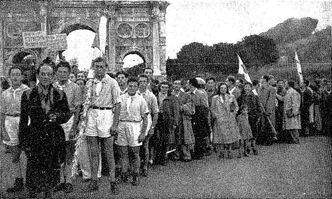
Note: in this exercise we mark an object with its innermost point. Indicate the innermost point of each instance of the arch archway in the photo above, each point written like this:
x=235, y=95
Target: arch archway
x=80, y=51
x=132, y=59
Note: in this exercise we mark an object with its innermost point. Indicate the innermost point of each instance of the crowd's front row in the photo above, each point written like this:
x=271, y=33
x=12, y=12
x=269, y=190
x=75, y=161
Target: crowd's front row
x=61, y=126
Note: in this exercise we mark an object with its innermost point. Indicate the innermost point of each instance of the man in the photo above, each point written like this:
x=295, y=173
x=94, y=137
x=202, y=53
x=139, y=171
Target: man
x=306, y=102
x=267, y=98
x=152, y=84
x=10, y=111
x=200, y=118
x=75, y=69
x=281, y=92
x=132, y=129
x=152, y=103
x=122, y=78
x=74, y=98
x=230, y=81
x=326, y=107
x=43, y=109
x=103, y=109
x=186, y=139
x=292, y=117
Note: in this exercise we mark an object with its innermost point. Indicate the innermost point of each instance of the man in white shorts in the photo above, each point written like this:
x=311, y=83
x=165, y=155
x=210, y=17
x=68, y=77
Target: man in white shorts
x=74, y=98
x=152, y=103
x=132, y=129
x=102, y=120
x=10, y=116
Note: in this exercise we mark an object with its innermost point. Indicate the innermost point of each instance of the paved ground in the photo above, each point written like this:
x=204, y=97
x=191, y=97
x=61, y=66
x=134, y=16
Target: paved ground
x=279, y=171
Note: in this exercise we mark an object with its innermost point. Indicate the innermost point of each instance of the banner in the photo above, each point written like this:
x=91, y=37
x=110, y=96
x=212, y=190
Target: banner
x=298, y=67
x=243, y=70
x=39, y=39
x=57, y=42
x=35, y=39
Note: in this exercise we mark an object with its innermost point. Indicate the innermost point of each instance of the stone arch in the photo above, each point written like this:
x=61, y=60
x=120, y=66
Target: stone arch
x=129, y=52
x=77, y=23
x=27, y=51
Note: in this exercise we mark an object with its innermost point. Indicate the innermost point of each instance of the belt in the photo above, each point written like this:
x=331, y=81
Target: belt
x=13, y=115
x=130, y=121
x=101, y=108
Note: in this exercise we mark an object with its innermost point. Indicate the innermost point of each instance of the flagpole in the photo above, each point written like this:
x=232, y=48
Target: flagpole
x=244, y=71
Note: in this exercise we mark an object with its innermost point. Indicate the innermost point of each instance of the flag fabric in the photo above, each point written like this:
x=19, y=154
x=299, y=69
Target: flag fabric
x=298, y=67
x=243, y=70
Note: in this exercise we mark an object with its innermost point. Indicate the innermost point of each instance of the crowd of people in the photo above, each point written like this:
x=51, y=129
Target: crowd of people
x=69, y=124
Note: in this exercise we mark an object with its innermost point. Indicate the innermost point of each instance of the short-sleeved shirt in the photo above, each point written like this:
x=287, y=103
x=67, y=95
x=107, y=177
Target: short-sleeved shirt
x=133, y=108
x=73, y=93
x=11, y=100
x=151, y=100
x=104, y=93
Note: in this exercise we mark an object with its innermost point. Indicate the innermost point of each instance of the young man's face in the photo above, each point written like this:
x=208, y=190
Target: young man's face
x=211, y=84
x=63, y=74
x=16, y=76
x=99, y=69
x=122, y=79
x=132, y=88
x=177, y=85
x=164, y=88
x=143, y=83
x=148, y=72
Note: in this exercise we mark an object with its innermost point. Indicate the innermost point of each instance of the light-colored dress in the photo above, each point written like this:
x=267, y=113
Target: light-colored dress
x=225, y=129
x=244, y=126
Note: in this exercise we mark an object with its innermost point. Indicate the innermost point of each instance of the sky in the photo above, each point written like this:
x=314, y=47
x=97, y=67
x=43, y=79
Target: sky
x=214, y=21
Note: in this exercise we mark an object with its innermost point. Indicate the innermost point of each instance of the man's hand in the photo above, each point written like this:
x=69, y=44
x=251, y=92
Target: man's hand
x=151, y=132
x=5, y=135
x=72, y=133
x=141, y=137
x=52, y=117
x=114, y=130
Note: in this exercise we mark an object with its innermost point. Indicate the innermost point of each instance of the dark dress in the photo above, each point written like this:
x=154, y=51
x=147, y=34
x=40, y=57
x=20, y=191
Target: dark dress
x=43, y=140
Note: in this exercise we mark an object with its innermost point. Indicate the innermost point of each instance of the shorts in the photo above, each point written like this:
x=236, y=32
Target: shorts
x=128, y=134
x=12, y=128
x=67, y=126
x=99, y=123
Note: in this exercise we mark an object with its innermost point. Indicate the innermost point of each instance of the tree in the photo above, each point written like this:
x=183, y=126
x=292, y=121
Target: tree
x=257, y=50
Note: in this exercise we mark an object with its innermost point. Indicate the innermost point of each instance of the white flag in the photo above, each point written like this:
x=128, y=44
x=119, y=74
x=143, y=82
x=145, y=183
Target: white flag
x=298, y=67
x=243, y=70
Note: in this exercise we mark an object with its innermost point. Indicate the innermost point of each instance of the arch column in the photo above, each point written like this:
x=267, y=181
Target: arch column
x=1, y=48
x=155, y=40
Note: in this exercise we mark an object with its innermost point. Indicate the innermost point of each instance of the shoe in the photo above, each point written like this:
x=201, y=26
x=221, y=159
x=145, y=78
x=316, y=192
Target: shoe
x=32, y=194
x=135, y=181
x=124, y=177
x=7, y=149
x=86, y=180
x=68, y=188
x=59, y=187
x=93, y=186
x=144, y=173
x=186, y=160
x=255, y=151
x=48, y=194
x=18, y=186
x=114, y=188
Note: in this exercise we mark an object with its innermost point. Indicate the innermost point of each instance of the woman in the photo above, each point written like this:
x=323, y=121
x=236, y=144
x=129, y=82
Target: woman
x=168, y=120
x=225, y=129
x=251, y=100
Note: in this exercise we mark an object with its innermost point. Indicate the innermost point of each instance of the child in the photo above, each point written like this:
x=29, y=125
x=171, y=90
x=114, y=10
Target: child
x=245, y=130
